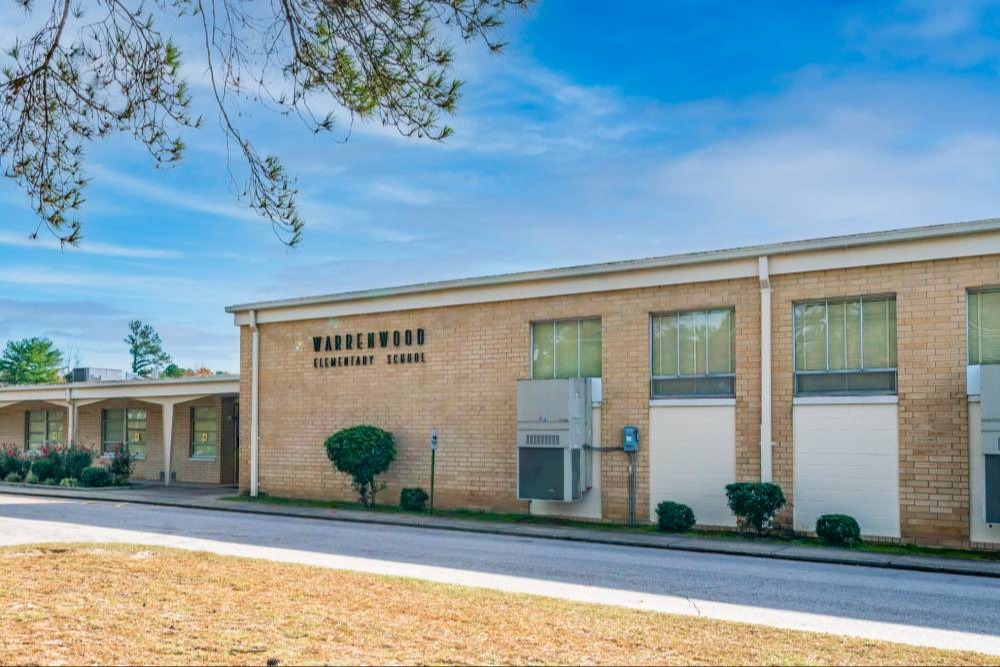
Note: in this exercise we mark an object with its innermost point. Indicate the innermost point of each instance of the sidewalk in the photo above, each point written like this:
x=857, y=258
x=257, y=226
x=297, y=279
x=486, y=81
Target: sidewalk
x=209, y=498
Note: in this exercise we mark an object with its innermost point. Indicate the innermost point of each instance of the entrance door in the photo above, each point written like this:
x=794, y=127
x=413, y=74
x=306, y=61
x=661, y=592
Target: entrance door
x=229, y=456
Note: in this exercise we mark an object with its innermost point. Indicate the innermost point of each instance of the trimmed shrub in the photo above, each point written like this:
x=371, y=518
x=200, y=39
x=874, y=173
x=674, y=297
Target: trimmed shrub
x=413, y=499
x=75, y=459
x=756, y=503
x=13, y=478
x=362, y=452
x=95, y=476
x=69, y=481
x=838, y=530
x=119, y=480
x=674, y=517
x=45, y=469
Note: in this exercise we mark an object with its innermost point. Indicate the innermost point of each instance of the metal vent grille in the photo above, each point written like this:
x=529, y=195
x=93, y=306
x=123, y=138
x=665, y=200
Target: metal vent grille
x=542, y=439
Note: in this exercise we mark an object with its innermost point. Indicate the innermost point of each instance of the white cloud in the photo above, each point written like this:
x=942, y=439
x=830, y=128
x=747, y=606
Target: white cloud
x=402, y=194
x=88, y=247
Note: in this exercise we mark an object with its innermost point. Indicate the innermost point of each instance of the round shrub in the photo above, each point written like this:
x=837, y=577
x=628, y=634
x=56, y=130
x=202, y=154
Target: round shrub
x=119, y=480
x=362, y=452
x=69, y=481
x=756, y=503
x=31, y=478
x=95, y=476
x=674, y=517
x=838, y=530
x=413, y=499
x=13, y=478
x=75, y=459
x=45, y=469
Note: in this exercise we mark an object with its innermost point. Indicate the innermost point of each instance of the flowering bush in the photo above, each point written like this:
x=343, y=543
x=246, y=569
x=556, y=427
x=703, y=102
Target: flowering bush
x=121, y=463
x=12, y=462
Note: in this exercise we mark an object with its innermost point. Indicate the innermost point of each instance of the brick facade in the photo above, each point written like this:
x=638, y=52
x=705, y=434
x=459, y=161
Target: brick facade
x=476, y=352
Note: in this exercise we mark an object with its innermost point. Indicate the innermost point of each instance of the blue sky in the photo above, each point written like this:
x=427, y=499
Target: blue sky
x=656, y=128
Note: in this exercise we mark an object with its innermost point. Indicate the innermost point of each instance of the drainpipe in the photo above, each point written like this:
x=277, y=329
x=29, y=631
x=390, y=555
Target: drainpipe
x=254, y=403
x=766, y=466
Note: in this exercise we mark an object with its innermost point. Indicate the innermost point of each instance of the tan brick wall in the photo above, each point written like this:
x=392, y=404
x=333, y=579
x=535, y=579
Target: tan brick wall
x=12, y=421
x=932, y=358
x=467, y=389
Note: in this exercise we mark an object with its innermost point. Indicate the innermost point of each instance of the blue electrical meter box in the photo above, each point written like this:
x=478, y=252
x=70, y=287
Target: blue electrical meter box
x=630, y=439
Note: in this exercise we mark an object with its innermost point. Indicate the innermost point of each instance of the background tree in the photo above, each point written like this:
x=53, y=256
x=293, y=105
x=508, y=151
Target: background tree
x=172, y=370
x=101, y=67
x=146, y=348
x=30, y=361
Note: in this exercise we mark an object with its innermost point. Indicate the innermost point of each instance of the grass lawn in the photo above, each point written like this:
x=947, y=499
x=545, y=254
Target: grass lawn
x=85, y=604
x=493, y=517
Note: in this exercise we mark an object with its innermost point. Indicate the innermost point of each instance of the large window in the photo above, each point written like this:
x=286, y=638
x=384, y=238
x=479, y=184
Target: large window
x=984, y=327
x=121, y=426
x=846, y=347
x=694, y=354
x=44, y=428
x=204, y=432
x=566, y=349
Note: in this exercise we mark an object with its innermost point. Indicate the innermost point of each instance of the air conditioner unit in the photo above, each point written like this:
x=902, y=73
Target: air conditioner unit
x=990, y=434
x=554, y=430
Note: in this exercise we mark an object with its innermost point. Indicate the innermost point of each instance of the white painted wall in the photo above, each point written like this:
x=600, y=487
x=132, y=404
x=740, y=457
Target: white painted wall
x=979, y=530
x=846, y=461
x=589, y=507
x=692, y=452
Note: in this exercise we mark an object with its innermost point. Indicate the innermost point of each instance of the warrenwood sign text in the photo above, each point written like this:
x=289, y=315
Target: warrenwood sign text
x=365, y=342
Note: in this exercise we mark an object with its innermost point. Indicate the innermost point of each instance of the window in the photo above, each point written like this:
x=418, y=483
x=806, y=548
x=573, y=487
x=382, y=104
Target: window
x=984, y=327
x=121, y=426
x=845, y=347
x=204, y=432
x=44, y=428
x=694, y=354
x=566, y=349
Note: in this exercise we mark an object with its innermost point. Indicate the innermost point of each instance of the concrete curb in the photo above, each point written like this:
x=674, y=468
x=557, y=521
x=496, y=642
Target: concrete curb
x=928, y=564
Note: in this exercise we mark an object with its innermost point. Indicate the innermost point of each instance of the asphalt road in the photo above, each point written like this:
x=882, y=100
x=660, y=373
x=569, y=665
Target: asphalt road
x=946, y=611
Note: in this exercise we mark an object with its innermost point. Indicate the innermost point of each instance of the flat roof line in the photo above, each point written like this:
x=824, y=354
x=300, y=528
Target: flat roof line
x=228, y=377
x=701, y=257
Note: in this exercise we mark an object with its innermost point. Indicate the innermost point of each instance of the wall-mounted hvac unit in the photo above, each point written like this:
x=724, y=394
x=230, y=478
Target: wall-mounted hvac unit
x=553, y=430
x=990, y=412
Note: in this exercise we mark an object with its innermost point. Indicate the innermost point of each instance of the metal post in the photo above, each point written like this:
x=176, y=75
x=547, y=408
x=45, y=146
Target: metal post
x=433, y=457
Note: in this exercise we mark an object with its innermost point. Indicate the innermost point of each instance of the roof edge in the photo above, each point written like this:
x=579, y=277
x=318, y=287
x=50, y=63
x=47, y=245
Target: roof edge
x=621, y=266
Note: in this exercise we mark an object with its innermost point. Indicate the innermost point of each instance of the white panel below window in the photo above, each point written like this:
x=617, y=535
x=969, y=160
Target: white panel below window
x=846, y=461
x=692, y=457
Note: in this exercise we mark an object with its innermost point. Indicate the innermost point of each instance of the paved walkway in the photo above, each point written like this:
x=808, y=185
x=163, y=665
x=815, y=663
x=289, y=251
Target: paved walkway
x=210, y=498
x=945, y=611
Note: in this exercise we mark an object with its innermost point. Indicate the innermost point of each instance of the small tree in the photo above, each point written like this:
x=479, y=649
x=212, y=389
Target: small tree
x=30, y=361
x=146, y=348
x=756, y=503
x=362, y=452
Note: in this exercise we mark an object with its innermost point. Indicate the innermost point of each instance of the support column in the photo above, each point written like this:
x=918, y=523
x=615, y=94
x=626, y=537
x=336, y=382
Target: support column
x=167, y=418
x=254, y=405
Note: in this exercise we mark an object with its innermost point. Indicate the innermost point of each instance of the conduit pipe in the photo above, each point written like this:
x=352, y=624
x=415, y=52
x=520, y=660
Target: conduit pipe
x=254, y=404
x=766, y=444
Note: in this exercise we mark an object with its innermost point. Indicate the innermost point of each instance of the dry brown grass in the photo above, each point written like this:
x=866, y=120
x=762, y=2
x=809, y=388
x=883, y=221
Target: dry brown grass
x=83, y=604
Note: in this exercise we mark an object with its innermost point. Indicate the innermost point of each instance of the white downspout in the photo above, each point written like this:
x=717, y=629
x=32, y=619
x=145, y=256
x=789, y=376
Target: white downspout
x=254, y=404
x=766, y=445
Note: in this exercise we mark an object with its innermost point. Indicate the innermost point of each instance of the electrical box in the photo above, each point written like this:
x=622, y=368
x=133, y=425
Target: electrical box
x=630, y=439
x=553, y=429
x=990, y=437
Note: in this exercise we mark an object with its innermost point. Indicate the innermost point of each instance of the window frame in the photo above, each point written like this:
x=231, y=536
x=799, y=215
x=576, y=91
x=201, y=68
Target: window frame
x=989, y=289
x=553, y=322
x=47, y=441
x=707, y=374
x=218, y=433
x=844, y=372
x=105, y=452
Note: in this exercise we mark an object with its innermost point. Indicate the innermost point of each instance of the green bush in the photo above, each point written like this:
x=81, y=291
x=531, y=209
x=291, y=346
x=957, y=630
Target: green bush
x=13, y=478
x=674, y=517
x=31, y=478
x=119, y=480
x=756, y=503
x=362, y=452
x=69, y=481
x=95, y=476
x=45, y=469
x=838, y=530
x=12, y=462
x=75, y=459
x=413, y=499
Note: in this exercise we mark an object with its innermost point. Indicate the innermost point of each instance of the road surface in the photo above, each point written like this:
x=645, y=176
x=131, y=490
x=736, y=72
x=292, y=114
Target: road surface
x=946, y=611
